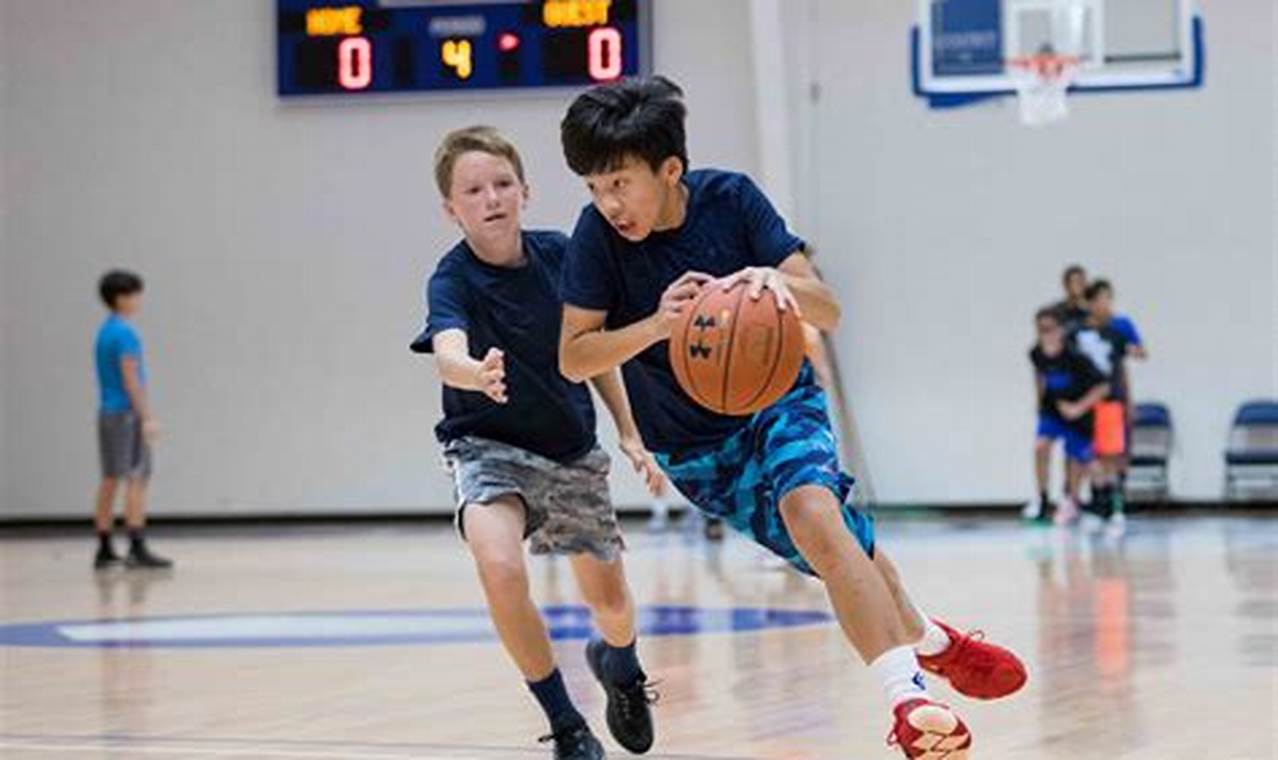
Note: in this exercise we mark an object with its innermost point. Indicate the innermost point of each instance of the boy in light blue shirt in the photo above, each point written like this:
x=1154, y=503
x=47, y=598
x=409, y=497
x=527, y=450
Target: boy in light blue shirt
x=126, y=426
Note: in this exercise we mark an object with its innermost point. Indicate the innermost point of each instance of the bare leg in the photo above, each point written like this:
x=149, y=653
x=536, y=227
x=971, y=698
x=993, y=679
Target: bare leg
x=1074, y=472
x=862, y=602
x=135, y=503
x=911, y=617
x=494, y=534
x=604, y=588
x=103, y=517
x=1042, y=463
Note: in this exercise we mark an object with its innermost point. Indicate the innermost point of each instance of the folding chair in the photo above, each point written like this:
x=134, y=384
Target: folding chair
x=1149, y=453
x=1251, y=456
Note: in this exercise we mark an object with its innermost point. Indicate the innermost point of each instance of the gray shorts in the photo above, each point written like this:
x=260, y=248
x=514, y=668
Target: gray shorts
x=124, y=451
x=568, y=508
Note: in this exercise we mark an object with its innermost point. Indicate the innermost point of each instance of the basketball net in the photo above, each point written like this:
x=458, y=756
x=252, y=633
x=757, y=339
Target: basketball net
x=1042, y=79
x=1042, y=86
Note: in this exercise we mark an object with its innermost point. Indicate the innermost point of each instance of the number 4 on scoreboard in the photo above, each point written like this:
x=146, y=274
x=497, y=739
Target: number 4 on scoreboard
x=456, y=54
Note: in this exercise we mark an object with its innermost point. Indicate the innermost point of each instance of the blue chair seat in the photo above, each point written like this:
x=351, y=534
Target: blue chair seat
x=1254, y=457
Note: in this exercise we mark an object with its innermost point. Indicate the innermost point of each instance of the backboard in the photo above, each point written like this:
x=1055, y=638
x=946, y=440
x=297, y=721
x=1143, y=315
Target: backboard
x=961, y=49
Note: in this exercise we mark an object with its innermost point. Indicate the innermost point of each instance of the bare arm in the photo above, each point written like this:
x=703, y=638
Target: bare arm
x=587, y=350
x=458, y=370
x=613, y=393
x=130, y=368
x=1074, y=410
x=1137, y=351
x=817, y=302
x=796, y=285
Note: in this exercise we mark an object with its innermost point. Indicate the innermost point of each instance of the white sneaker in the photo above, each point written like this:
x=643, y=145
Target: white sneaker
x=1033, y=510
x=1117, y=527
x=1066, y=512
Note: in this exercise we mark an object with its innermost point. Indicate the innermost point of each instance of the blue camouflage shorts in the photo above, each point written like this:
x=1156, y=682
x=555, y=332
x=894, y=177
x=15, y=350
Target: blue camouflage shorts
x=743, y=479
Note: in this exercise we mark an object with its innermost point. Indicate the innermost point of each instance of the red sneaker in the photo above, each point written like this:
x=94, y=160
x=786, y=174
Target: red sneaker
x=929, y=731
x=976, y=668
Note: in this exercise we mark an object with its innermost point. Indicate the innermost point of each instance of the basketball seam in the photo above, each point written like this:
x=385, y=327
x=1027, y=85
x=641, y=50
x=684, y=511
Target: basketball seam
x=692, y=389
x=727, y=355
x=776, y=359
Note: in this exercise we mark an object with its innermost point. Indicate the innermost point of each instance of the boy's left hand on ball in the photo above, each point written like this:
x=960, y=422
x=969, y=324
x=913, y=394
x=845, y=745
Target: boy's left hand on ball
x=757, y=279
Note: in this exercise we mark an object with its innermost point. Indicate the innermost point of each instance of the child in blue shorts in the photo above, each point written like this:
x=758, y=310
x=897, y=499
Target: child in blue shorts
x=654, y=236
x=1068, y=387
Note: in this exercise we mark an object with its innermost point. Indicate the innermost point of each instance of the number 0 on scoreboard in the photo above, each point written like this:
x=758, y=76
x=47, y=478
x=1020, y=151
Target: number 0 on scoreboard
x=352, y=48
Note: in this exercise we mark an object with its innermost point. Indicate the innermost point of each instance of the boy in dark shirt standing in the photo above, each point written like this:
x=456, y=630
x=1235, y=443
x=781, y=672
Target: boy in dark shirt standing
x=1068, y=387
x=520, y=439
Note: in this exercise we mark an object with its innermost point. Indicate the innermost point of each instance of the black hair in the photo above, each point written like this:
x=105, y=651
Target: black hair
x=1098, y=287
x=1070, y=271
x=609, y=123
x=116, y=283
x=1048, y=312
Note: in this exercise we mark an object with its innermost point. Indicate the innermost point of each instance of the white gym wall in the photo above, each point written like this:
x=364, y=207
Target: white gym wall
x=944, y=231
x=284, y=246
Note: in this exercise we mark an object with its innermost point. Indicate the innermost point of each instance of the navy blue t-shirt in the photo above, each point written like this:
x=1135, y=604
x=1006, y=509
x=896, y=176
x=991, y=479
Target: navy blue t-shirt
x=729, y=225
x=1067, y=376
x=518, y=311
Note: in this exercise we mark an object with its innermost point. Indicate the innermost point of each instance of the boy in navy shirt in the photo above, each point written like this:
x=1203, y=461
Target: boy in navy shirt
x=126, y=426
x=520, y=439
x=1068, y=387
x=654, y=236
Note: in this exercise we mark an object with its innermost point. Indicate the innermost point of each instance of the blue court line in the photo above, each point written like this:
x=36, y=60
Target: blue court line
x=350, y=628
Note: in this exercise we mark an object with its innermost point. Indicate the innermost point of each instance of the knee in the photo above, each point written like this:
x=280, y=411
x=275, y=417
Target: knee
x=609, y=599
x=502, y=575
x=813, y=524
x=1042, y=447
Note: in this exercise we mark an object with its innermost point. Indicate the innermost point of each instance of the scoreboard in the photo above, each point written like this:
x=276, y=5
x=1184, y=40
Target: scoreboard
x=382, y=46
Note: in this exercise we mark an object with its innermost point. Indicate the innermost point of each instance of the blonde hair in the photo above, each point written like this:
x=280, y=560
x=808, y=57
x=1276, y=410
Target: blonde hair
x=478, y=138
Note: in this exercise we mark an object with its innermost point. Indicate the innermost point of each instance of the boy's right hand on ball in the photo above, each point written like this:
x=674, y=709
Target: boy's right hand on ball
x=491, y=375
x=681, y=293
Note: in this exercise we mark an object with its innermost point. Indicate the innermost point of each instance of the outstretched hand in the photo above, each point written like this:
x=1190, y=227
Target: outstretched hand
x=491, y=375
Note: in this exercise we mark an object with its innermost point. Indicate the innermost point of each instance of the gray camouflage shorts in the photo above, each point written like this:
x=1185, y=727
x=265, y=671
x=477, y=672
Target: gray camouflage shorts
x=568, y=506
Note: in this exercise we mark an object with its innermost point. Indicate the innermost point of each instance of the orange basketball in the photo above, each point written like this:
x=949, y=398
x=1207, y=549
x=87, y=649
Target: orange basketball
x=734, y=355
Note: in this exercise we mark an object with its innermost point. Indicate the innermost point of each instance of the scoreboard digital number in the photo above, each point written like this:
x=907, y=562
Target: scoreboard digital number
x=383, y=46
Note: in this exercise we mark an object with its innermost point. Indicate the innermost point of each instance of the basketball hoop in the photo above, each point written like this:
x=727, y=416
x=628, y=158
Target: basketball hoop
x=1042, y=84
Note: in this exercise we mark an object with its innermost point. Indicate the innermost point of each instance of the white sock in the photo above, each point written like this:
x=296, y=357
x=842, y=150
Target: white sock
x=935, y=640
x=898, y=669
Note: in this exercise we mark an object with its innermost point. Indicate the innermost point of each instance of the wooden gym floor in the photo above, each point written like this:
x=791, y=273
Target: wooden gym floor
x=368, y=643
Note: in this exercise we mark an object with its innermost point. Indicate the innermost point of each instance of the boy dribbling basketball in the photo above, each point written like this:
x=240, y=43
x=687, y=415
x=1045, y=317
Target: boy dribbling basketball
x=654, y=236
x=520, y=439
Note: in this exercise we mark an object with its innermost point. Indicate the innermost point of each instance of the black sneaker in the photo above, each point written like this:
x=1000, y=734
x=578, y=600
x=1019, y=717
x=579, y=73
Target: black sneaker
x=714, y=529
x=141, y=557
x=629, y=714
x=105, y=559
x=576, y=743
